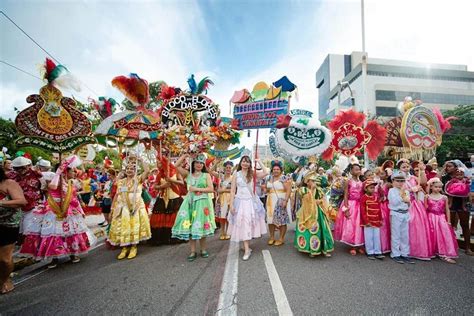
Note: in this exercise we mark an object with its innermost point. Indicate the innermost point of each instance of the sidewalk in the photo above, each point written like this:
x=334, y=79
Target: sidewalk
x=25, y=266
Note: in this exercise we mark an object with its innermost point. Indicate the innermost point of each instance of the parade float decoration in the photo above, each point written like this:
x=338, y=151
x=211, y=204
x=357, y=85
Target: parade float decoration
x=350, y=136
x=417, y=132
x=298, y=135
x=53, y=122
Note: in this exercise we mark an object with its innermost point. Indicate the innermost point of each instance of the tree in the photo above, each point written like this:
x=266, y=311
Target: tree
x=458, y=142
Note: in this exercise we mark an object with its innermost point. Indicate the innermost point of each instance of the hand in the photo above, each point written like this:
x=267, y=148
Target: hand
x=347, y=214
x=422, y=166
x=232, y=210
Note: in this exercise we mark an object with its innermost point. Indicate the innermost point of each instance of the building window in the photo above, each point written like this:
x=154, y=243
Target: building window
x=427, y=97
x=419, y=76
x=385, y=111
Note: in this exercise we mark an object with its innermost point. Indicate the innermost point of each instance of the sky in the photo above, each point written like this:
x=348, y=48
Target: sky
x=236, y=43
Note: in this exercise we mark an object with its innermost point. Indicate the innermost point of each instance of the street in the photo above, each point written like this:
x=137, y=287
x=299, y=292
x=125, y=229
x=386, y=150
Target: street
x=160, y=281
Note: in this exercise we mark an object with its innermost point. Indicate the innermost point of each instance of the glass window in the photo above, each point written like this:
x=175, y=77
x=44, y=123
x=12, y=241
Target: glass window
x=385, y=111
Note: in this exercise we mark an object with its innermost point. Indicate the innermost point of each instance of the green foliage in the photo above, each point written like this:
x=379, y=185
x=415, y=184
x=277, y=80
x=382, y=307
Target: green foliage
x=458, y=143
x=112, y=154
x=289, y=167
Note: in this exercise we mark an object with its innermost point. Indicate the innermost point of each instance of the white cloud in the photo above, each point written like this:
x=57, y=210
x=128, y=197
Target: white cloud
x=10, y=97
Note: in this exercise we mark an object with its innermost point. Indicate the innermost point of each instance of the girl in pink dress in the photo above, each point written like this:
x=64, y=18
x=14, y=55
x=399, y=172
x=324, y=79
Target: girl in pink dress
x=59, y=229
x=385, y=232
x=419, y=231
x=444, y=240
x=347, y=228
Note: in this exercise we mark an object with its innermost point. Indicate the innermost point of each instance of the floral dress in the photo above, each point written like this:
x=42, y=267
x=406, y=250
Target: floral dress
x=195, y=218
x=276, y=214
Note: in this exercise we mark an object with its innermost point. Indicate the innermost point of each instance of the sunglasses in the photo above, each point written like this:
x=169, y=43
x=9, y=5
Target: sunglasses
x=399, y=180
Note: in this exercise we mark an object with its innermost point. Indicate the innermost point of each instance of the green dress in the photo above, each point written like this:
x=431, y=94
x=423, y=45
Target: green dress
x=313, y=234
x=195, y=217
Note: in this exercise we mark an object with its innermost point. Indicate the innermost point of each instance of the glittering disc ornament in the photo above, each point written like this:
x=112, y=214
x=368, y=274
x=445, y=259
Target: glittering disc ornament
x=53, y=122
x=350, y=136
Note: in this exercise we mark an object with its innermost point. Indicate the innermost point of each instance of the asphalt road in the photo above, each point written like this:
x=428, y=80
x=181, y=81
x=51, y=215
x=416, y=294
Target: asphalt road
x=161, y=282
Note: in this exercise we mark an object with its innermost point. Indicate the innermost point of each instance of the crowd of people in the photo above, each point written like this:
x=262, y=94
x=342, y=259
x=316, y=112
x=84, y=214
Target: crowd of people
x=406, y=208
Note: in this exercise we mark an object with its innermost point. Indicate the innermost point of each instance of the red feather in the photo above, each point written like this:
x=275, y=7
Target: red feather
x=283, y=121
x=328, y=154
x=50, y=65
x=377, y=142
x=444, y=123
x=134, y=88
x=167, y=92
x=347, y=116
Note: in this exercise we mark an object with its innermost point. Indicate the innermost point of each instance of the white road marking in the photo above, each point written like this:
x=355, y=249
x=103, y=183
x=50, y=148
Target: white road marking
x=278, y=292
x=228, y=297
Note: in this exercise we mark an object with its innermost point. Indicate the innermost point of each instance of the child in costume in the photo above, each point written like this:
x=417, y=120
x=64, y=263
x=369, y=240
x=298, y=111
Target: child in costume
x=384, y=185
x=458, y=191
x=223, y=199
x=398, y=203
x=58, y=230
x=195, y=219
x=130, y=223
x=371, y=220
x=313, y=234
x=444, y=241
x=419, y=227
x=247, y=218
x=347, y=228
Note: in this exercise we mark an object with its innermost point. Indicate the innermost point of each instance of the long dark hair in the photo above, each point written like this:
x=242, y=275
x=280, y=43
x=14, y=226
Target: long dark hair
x=194, y=169
x=3, y=176
x=249, y=171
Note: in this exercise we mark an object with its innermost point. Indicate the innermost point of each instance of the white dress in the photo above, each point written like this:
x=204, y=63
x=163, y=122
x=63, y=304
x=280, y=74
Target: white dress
x=249, y=219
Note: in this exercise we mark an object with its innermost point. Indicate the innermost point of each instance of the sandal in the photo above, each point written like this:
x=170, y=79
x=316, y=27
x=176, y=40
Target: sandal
x=53, y=264
x=204, y=254
x=448, y=260
x=75, y=259
x=227, y=237
x=222, y=237
x=279, y=243
x=271, y=241
x=327, y=255
x=6, y=289
x=353, y=252
x=192, y=257
x=361, y=251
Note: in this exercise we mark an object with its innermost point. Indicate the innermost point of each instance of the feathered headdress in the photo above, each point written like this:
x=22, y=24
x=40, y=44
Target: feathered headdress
x=133, y=88
x=59, y=76
x=201, y=87
x=445, y=123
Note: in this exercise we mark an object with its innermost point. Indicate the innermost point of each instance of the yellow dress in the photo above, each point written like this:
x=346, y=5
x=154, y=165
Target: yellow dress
x=130, y=223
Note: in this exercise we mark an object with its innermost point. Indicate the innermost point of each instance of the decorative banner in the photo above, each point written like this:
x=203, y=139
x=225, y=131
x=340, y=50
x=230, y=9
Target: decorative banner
x=86, y=153
x=64, y=146
x=228, y=154
x=304, y=137
x=420, y=129
x=262, y=114
x=393, y=132
x=349, y=139
x=183, y=109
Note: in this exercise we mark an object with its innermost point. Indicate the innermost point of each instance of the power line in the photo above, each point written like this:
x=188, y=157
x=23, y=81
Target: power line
x=19, y=69
x=43, y=49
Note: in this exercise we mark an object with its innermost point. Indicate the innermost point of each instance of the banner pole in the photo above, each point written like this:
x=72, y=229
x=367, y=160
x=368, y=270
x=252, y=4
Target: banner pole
x=255, y=167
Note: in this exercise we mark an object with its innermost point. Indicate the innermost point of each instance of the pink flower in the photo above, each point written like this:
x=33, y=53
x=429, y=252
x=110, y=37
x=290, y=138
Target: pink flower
x=207, y=225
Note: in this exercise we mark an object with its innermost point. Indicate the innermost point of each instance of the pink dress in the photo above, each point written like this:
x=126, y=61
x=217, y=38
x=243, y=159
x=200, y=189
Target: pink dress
x=419, y=231
x=348, y=230
x=444, y=240
x=385, y=231
x=248, y=220
x=55, y=233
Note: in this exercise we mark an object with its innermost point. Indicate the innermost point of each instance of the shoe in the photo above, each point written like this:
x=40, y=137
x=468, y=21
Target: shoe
x=123, y=253
x=379, y=256
x=192, y=257
x=408, y=260
x=271, y=242
x=398, y=260
x=53, y=264
x=222, y=237
x=204, y=254
x=75, y=259
x=133, y=252
x=327, y=255
x=448, y=260
x=227, y=237
x=353, y=252
x=279, y=243
x=469, y=252
x=371, y=257
x=361, y=251
x=247, y=255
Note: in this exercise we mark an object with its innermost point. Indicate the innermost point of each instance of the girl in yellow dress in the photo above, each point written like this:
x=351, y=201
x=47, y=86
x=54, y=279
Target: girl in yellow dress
x=130, y=222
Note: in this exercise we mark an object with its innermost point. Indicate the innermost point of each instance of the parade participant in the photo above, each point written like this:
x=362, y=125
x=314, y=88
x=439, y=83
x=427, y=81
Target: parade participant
x=432, y=169
x=223, y=200
x=336, y=193
x=398, y=203
x=29, y=180
x=278, y=208
x=108, y=194
x=45, y=169
x=371, y=220
x=247, y=218
x=86, y=191
x=195, y=219
x=313, y=234
x=59, y=229
x=7, y=167
x=130, y=223
x=419, y=227
x=167, y=185
x=444, y=241
x=11, y=201
x=385, y=232
x=347, y=228
x=458, y=191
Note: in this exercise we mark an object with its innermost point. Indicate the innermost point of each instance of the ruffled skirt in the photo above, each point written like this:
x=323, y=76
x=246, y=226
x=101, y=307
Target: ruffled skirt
x=248, y=221
x=348, y=230
x=385, y=231
x=419, y=232
x=444, y=240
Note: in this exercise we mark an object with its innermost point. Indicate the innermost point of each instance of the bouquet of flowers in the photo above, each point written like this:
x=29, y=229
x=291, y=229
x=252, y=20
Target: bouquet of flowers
x=225, y=135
